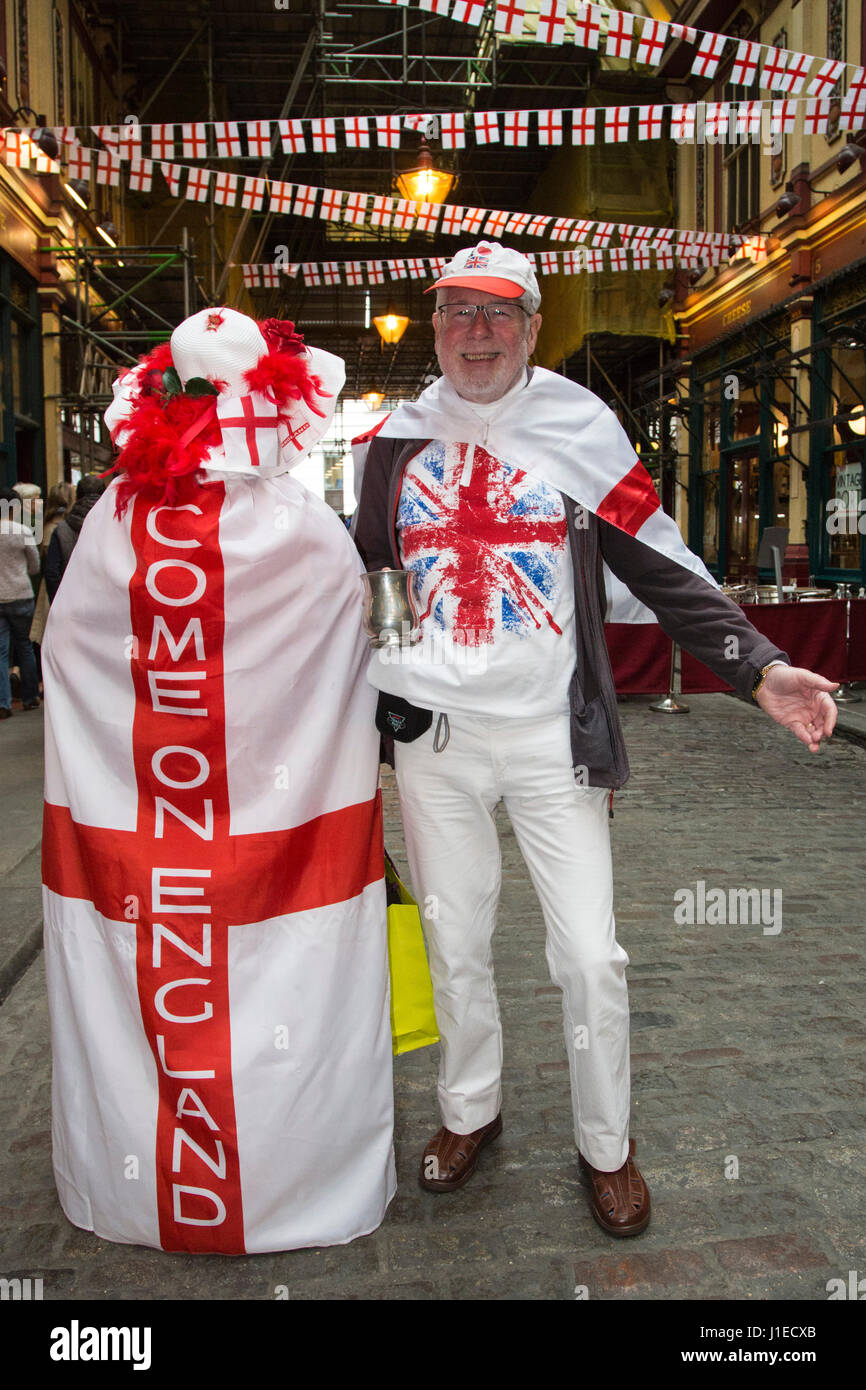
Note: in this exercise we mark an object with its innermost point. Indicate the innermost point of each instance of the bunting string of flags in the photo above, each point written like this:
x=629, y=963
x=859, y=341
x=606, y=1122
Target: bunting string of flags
x=649, y=248
x=643, y=40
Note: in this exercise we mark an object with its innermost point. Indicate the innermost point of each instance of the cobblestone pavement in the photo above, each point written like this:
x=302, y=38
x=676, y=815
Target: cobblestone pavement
x=747, y=1049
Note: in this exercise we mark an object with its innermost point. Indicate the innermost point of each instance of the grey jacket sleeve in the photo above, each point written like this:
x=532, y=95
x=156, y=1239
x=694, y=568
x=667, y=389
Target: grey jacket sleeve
x=705, y=622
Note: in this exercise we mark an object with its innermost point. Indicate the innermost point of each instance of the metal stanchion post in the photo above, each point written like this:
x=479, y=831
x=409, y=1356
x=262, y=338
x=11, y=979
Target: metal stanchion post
x=669, y=704
x=845, y=695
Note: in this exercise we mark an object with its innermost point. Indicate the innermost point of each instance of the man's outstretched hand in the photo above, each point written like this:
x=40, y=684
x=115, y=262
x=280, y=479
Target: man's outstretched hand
x=801, y=701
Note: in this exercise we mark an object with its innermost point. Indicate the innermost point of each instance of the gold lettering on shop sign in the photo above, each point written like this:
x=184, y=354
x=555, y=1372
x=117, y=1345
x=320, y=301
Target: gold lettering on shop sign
x=740, y=311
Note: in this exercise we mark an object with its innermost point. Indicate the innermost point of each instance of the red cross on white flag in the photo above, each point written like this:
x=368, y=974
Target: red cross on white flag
x=817, y=116
x=517, y=223
x=472, y=219
x=311, y=273
x=305, y=201
x=331, y=272
x=357, y=132
x=380, y=214
x=619, y=258
x=716, y=120
x=683, y=122
x=496, y=224
x=684, y=31
x=356, y=209
x=270, y=277
x=664, y=257
x=198, y=185
x=129, y=140
x=292, y=136
x=107, y=134
x=826, y=78
x=225, y=190
x=228, y=139
x=587, y=26
x=18, y=149
x=452, y=220
x=468, y=11
x=281, y=197
x=397, y=270
x=140, y=175
x=548, y=262
x=323, y=131
x=745, y=63
x=248, y=425
x=375, y=273
x=253, y=194
x=416, y=268
x=259, y=138
x=388, y=131
x=654, y=36
x=708, y=56
x=661, y=235
x=434, y=6
x=510, y=15
x=616, y=124
x=549, y=127
x=353, y=273
x=572, y=262
x=331, y=207
x=583, y=125
x=774, y=67
x=78, y=161
x=748, y=115
x=580, y=229
x=107, y=167
x=594, y=260
x=561, y=228
x=537, y=225
x=486, y=127
x=783, y=118
x=426, y=216
x=620, y=29
x=162, y=141
x=404, y=214
x=602, y=234
x=172, y=175
x=640, y=258
x=551, y=22
x=794, y=79
x=649, y=122
x=194, y=136
x=856, y=94
x=452, y=130
x=516, y=127
x=252, y=276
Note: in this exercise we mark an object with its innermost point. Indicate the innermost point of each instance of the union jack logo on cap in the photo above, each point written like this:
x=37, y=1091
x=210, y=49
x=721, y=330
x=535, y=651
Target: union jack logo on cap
x=479, y=258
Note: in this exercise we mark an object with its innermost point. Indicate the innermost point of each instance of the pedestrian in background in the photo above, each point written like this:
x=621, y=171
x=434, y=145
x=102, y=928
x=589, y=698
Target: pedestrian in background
x=19, y=559
x=58, y=503
x=67, y=531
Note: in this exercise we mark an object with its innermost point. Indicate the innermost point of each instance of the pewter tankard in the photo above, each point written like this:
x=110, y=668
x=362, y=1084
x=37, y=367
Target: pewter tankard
x=390, y=614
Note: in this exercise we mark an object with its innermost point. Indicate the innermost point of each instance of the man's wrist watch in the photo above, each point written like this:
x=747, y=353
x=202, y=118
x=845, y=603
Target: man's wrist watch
x=762, y=676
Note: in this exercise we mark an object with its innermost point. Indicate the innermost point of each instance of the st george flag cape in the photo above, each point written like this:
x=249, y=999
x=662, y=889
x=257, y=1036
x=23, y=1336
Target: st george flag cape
x=563, y=434
x=215, y=916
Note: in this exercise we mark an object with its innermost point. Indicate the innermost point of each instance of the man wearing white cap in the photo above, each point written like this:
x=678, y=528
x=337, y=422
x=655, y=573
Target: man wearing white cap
x=505, y=489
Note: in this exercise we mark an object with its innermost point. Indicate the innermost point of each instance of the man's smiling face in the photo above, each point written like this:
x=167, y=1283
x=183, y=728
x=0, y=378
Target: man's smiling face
x=482, y=360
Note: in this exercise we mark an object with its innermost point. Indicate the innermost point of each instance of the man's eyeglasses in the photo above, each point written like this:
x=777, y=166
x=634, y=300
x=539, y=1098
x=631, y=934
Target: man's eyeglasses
x=499, y=311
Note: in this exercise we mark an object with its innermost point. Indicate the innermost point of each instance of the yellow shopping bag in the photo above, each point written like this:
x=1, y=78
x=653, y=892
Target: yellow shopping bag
x=413, y=1022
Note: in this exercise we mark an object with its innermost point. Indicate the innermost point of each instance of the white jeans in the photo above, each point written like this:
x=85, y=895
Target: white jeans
x=447, y=800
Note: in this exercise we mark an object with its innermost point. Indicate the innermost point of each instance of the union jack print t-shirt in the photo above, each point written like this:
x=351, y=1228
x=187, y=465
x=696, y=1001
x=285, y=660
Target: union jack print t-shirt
x=488, y=547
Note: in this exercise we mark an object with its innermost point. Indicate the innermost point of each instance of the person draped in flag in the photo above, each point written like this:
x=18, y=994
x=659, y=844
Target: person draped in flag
x=509, y=492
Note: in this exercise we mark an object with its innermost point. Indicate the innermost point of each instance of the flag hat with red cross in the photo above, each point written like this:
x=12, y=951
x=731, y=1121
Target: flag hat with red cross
x=492, y=267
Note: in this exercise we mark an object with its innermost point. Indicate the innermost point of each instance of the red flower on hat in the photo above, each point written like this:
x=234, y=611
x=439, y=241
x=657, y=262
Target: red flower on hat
x=280, y=336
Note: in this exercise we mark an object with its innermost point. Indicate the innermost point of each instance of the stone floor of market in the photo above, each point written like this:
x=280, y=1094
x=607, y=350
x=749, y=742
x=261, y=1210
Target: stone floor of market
x=748, y=1046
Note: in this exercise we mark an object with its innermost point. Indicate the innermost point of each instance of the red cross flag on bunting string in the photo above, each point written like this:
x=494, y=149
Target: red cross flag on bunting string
x=331, y=207
x=434, y=6
x=249, y=428
x=580, y=229
x=662, y=235
x=510, y=15
x=826, y=78
x=397, y=270
x=162, y=141
x=419, y=120
x=472, y=219
x=486, y=127
x=708, y=56
x=649, y=122
x=851, y=114
x=311, y=273
x=107, y=134
x=228, y=139
x=375, y=273
x=426, y=216
x=654, y=36
x=353, y=273
x=259, y=138
x=380, y=214
x=548, y=262
x=305, y=201
x=172, y=175
x=324, y=133
x=594, y=260
x=745, y=63
x=537, y=225
x=225, y=191
x=783, y=119
x=270, y=277
x=602, y=234
x=404, y=214
x=194, y=140
x=616, y=124
x=437, y=264
x=107, y=167
x=281, y=197
x=817, y=116
x=416, y=268
x=572, y=262
x=682, y=122
x=796, y=72
x=17, y=149
x=684, y=31
x=140, y=175
x=664, y=257
x=561, y=228
x=468, y=11
x=640, y=258
x=356, y=209
x=587, y=26
x=620, y=30
x=775, y=63
x=634, y=236
x=331, y=272
x=517, y=223
x=516, y=127
x=78, y=162
x=748, y=118
x=452, y=219
x=583, y=126
x=856, y=89
x=619, y=258
x=198, y=185
x=254, y=194
x=551, y=22
x=549, y=127
x=292, y=136
x=357, y=132
x=252, y=276
x=496, y=224
x=129, y=140
x=716, y=119
x=452, y=130
x=388, y=131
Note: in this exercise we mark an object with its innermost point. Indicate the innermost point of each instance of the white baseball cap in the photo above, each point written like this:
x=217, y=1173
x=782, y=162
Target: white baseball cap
x=492, y=267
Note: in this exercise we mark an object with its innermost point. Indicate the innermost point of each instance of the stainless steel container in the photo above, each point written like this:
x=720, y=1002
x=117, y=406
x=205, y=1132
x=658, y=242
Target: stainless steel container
x=390, y=615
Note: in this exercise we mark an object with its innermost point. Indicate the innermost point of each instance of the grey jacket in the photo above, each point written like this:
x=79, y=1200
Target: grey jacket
x=696, y=615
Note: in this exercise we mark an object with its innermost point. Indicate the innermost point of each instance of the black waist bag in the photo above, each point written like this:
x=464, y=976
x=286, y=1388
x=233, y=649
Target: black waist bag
x=399, y=720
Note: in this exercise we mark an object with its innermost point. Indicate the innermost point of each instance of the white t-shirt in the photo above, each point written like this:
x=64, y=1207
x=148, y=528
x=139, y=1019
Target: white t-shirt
x=488, y=545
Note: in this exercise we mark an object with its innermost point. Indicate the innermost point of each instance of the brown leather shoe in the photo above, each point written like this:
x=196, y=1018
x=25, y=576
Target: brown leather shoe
x=620, y=1201
x=450, y=1159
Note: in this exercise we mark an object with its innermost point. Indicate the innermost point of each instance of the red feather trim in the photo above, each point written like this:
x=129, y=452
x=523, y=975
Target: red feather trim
x=284, y=378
